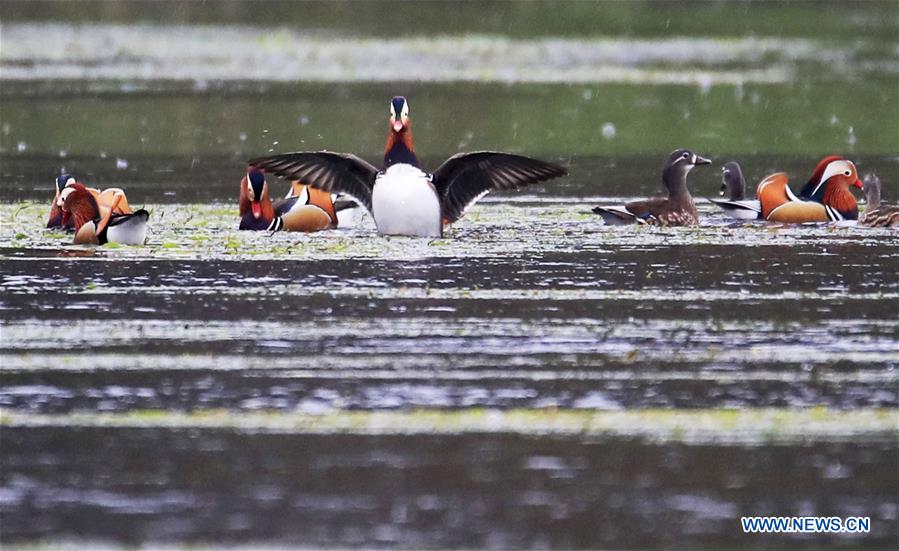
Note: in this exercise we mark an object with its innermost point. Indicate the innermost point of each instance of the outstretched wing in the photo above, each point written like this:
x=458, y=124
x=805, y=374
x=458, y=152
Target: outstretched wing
x=331, y=172
x=466, y=177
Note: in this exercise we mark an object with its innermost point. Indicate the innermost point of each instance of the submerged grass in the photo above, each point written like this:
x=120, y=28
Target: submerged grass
x=738, y=426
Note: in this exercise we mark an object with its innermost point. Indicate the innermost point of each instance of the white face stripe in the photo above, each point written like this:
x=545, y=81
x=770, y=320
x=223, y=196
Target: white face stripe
x=405, y=112
x=250, y=191
x=65, y=193
x=837, y=167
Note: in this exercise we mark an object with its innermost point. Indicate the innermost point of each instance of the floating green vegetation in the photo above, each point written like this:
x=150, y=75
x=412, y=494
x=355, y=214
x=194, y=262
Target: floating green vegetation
x=494, y=229
x=735, y=426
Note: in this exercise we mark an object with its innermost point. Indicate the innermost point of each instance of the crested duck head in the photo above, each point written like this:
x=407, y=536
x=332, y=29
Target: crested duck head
x=62, y=181
x=399, y=148
x=871, y=186
x=399, y=114
x=732, y=182
x=833, y=186
x=256, y=190
x=680, y=163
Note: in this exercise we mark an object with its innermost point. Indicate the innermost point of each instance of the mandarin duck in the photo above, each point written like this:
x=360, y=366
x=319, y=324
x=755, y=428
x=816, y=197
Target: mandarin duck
x=877, y=215
x=98, y=226
x=677, y=209
x=304, y=209
x=825, y=198
x=402, y=198
x=736, y=205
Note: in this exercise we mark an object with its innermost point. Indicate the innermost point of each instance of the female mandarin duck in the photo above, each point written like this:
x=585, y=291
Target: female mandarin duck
x=877, y=215
x=736, y=205
x=675, y=210
x=304, y=209
x=403, y=199
x=825, y=198
x=98, y=225
x=104, y=200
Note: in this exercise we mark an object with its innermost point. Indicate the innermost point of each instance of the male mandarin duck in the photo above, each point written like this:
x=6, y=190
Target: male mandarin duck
x=304, y=209
x=404, y=199
x=825, y=198
x=103, y=199
x=675, y=210
x=736, y=205
x=877, y=215
x=99, y=225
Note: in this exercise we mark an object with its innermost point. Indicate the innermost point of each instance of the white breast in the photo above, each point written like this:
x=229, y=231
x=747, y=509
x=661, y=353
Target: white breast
x=404, y=202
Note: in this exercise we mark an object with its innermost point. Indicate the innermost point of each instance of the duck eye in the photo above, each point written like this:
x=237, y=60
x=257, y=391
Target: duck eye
x=847, y=173
x=686, y=155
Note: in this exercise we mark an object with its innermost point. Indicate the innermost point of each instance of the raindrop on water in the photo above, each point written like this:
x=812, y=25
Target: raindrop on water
x=21, y=146
x=121, y=164
x=608, y=131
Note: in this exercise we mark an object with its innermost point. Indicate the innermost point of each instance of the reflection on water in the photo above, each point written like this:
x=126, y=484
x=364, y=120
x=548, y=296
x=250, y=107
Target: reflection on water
x=497, y=491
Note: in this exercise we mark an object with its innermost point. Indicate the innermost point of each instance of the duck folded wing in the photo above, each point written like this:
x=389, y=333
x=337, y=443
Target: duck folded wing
x=283, y=206
x=798, y=212
x=331, y=172
x=743, y=204
x=617, y=216
x=466, y=177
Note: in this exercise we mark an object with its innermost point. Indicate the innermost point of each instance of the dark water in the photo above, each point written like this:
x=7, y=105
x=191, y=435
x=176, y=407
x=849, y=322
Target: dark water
x=496, y=491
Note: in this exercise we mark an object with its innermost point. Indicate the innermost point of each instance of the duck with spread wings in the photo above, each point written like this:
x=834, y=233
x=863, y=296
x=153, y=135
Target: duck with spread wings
x=404, y=199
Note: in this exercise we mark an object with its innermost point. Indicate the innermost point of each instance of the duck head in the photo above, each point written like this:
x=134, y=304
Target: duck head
x=399, y=148
x=62, y=181
x=256, y=209
x=399, y=114
x=55, y=218
x=680, y=163
x=78, y=205
x=841, y=172
x=732, y=182
x=833, y=188
x=254, y=192
x=871, y=185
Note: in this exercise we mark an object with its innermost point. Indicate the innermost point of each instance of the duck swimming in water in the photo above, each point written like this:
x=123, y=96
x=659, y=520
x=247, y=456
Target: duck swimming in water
x=404, y=199
x=104, y=200
x=877, y=215
x=98, y=227
x=304, y=209
x=736, y=205
x=825, y=198
x=677, y=209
